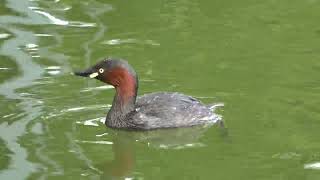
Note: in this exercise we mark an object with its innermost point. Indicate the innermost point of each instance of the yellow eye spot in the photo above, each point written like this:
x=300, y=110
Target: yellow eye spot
x=101, y=70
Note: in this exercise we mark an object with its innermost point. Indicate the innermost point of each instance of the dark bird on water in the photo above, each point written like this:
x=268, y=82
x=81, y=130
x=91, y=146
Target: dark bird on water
x=150, y=111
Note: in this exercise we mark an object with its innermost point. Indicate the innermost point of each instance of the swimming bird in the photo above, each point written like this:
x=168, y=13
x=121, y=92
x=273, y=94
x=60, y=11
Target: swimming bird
x=149, y=111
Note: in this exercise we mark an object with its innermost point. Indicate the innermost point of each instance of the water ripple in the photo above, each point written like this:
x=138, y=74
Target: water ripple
x=67, y=8
x=183, y=146
x=97, y=88
x=4, y=68
x=130, y=41
x=76, y=109
x=94, y=142
x=60, y=22
x=4, y=35
x=92, y=122
x=315, y=165
x=43, y=35
x=53, y=70
x=103, y=134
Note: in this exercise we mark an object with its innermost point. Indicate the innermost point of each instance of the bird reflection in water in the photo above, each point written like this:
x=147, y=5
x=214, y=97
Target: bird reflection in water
x=123, y=163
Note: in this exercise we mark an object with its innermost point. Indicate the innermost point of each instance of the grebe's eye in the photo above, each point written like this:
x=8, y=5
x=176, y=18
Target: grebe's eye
x=101, y=70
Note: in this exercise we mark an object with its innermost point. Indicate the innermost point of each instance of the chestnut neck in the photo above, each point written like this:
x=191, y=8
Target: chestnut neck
x=126, y=85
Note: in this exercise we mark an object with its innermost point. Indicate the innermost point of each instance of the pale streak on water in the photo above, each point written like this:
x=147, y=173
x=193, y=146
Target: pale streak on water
x=315, y=165
x=92, y=122
x=130, y=41
x=20, y=167
x=4, y=35
x=30, y=72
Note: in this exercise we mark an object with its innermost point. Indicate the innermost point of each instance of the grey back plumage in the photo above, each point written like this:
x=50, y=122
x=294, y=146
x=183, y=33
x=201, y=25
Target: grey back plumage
x=167, y=110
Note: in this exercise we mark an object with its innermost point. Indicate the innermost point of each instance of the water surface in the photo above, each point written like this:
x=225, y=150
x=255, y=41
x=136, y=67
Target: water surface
x=261, y=59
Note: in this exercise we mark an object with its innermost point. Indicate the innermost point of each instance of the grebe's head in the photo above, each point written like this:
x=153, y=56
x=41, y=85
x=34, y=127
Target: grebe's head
x=115, y=72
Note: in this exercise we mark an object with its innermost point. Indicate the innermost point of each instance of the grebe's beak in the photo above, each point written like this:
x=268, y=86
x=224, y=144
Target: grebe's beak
x=91, y=73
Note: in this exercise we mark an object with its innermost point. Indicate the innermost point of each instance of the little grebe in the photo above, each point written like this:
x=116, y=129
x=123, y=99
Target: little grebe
x=150, y=111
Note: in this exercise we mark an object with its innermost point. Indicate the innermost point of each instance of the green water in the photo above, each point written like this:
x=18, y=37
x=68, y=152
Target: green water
x=260, y=58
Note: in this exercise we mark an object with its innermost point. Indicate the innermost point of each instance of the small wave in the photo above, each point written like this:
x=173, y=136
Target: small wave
x=214, y=118
x=55, y=72
x=315, y=165
x=81, y=24
x=31, y=46
x=61, y=22
x=94, y=142
x=147, y=80
x=43, y=35
x=4, y=68
x=215, y=106
x=91, y=122
x=67, y=8
x=4, y=35
x=53, y=19
x=183, y=146
x=85, y=107
x=103, y=134
x=53, y=68
x=97, y=88
x=23, y=94
x=8, y=115
x=130, y=41
x=32, y=49
x=75, y=109
x=287, y=155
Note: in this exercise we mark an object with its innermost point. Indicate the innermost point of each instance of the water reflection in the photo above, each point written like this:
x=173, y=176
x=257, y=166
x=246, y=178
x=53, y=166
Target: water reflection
x=21, y=46
x=124, y=142
x=31, y=71
x=123, y=162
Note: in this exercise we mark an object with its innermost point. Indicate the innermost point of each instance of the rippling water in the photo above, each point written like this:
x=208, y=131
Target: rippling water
x=261, y=59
